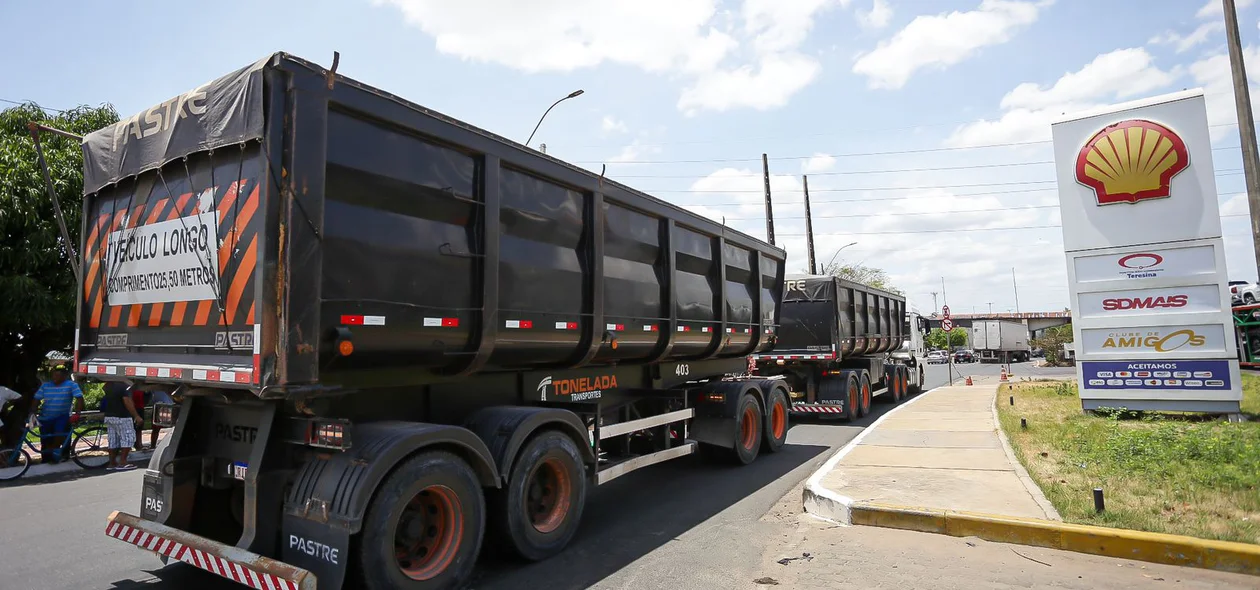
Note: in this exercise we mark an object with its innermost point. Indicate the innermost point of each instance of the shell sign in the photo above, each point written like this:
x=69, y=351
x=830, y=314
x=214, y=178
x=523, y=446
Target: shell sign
x=1131, y=161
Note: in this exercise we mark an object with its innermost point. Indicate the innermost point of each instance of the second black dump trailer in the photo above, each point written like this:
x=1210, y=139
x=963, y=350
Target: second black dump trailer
x=395, y=335
x=842, y=344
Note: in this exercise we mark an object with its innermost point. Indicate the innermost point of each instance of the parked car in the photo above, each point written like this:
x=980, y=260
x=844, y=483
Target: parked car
x=937, y=357
x=1243, y=293
x=1038, y=353
x=964, y=356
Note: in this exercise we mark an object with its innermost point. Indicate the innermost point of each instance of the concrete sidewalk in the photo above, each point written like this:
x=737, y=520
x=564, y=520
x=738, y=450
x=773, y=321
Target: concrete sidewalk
x=942, y=450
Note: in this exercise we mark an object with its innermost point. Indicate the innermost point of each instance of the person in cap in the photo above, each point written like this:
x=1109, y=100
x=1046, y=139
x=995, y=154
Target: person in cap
x=53, y=403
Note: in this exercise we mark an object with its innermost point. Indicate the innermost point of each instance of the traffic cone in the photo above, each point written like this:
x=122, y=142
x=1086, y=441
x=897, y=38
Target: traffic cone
x=1004, y=379
x=968, y=379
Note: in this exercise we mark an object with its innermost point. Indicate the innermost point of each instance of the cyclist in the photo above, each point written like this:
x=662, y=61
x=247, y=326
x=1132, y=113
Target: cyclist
x=53, y=401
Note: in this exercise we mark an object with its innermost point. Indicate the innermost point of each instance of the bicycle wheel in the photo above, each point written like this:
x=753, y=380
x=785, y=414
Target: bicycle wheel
x=14, y=463
x=91, y=448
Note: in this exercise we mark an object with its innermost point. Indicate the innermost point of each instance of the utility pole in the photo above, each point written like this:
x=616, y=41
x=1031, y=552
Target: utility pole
x=934, y=306
x=1016, y=287
x=990, y=308
x=809, y=228
x=765, y=174
x=1246, y=125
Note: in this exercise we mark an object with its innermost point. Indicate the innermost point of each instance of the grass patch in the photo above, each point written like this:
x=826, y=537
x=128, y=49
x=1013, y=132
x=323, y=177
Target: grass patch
x=1159, y=473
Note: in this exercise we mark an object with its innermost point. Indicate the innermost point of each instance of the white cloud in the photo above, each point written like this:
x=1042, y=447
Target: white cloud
x=748, y=58
x=770, y=84
x=818, y=163
x=1214, y=9
x=943, y=40
x=611, y=124
x=1029, y=107
x=634, y=151
x=1187, y=42
x=877, y=17
x=1213, y=74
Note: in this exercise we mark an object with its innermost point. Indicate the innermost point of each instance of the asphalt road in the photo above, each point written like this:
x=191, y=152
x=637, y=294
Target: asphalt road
x=684, y=522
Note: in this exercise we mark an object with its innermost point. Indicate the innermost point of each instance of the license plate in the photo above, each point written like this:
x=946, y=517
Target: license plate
x=237, y=470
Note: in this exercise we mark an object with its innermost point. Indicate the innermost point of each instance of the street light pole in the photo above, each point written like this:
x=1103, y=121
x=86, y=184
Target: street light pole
x=574, y=94
x=833, y=256
x=1246, y=125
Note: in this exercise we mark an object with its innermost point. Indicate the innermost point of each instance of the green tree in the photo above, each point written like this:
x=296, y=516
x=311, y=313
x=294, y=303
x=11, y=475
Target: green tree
x=37, y=284
x=940, y=339
x=859, y=273
x=1052, y=341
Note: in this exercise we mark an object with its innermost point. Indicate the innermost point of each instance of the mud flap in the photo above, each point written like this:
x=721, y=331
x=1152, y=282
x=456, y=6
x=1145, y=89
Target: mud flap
x=315, y=547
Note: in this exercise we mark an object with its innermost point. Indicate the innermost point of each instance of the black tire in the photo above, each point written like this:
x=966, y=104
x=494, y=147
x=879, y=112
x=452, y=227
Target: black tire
x=897, y=384
x=776, y=418
x=14, y=463
x=539, y=511
x=91, y=448
x=748, y=430
x=853, y=398
x=916, y=385
x=864, y=387
x=1248, y=298
x=433, y=482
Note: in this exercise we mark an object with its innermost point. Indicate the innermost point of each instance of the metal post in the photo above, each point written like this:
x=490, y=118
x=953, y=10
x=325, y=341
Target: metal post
x=1246, y=125
x=765, y=174
x=35, y=128
x=809, y=229
x=1016, y=287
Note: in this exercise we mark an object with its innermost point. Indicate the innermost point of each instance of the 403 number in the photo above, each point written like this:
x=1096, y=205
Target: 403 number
x=682, y=370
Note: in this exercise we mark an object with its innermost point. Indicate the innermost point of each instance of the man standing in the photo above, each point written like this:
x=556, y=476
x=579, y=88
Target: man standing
x=121, y=420
x=53, y=400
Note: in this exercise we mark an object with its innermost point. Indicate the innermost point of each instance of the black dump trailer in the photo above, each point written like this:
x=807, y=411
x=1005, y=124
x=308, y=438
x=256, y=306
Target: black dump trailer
x=841, y=344
x=390, y=333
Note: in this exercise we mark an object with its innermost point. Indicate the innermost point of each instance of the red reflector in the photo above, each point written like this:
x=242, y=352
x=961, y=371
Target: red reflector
x=130, y=371
x=450, y=322
x=352, y=320
x=527, y=324
x=571, y=326
x=243, y=377
x=212, y=375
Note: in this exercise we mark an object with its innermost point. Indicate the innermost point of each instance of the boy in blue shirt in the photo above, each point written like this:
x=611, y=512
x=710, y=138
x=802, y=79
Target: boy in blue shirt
x=54, y=400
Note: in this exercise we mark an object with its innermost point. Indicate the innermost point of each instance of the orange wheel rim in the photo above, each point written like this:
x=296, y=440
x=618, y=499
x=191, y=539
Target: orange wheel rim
x=748, y=428
x=778, y=420
x=429, y=532
x=905, y=383
x=853, y=399
x=547, y=495
x=866, y=395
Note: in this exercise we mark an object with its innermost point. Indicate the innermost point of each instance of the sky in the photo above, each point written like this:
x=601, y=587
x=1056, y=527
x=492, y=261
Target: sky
x=903, y=113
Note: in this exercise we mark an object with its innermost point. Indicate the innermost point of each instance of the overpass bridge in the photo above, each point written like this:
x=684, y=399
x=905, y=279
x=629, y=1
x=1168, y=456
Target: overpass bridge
x=1037, y=321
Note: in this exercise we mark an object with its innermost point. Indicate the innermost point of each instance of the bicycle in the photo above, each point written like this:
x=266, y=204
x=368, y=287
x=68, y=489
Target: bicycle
x=88, y=447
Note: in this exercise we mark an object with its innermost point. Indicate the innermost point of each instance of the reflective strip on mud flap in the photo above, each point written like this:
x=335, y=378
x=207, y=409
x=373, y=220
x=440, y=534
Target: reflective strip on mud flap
x=818, y=409
x=238, y=565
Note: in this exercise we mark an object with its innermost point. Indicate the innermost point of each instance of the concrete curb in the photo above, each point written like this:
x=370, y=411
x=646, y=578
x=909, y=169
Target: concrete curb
x=40, y=471
x=826, y=504
x=1161, y=548
x=1031, y=486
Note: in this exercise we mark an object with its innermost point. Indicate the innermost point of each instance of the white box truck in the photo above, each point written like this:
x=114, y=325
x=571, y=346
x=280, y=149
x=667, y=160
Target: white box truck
x=996, y=341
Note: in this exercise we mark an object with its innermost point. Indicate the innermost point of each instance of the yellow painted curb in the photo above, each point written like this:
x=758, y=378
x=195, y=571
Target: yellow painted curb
x=1225, y=556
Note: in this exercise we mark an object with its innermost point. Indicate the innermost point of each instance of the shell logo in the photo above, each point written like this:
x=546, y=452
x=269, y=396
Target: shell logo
x=1131, y=161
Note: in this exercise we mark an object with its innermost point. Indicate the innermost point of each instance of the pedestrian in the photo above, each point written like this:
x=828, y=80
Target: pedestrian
x=156, y=397
x=137, y=399
x=53, y=401
x=121, y=421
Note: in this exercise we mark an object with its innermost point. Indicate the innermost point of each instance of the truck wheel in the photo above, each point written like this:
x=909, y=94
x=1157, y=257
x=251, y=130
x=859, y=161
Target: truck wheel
x=864, y=407
x=896, y=384
x=776, y=429
x=854, y=400
x=748, y=427
x=424, y=527
x=905, y=382
x=916, y=387
x=538, y=512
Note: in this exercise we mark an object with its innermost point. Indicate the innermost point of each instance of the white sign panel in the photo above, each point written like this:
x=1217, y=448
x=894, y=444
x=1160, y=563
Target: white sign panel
x=1154, y=342
x=1149, y=263
x=175, y=260
x=1142, y=233
x=1136, y=302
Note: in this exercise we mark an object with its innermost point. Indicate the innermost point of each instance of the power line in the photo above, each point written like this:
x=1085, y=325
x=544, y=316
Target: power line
x=850, y=172
x=850, y=154
x=1017, y=208
x=945, y=231
x=37, y=105
x=1232, y=172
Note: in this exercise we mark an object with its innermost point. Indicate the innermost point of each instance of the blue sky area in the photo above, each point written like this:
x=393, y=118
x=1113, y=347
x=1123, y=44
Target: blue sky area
x=683, y=96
